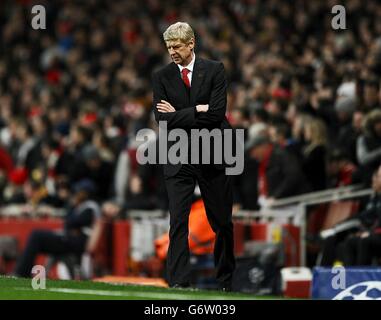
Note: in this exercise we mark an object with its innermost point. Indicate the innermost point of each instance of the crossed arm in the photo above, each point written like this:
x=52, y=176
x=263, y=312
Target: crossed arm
x=198, y=116
x=164, y=107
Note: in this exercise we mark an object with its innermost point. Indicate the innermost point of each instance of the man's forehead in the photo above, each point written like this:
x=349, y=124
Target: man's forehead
x=173, y=43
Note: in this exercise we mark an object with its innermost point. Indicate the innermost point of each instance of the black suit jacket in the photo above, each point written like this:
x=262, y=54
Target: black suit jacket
x=208, y=87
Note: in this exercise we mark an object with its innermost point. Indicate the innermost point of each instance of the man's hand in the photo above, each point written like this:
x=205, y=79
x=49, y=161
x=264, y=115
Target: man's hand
x=364, y=234
x=202, y=107
x=164, y=106
x=269, y=202
x=236, y=207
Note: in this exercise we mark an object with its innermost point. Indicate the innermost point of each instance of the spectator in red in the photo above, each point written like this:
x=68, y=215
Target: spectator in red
x=340, y=169
x=14, y=192
x=6, y=163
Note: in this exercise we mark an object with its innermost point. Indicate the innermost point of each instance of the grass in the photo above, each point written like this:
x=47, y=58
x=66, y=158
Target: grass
x=12, y=288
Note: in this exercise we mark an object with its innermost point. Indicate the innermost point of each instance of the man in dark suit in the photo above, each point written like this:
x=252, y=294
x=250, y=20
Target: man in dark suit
x=190, y=93
x=79, y=221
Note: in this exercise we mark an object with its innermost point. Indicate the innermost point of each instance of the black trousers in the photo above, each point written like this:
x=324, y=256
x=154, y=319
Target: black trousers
x=330, y=250
x=351, y=250
x=216, y=191
x=340, y=247
x=47, y=242
x=368, y=248
x=361, y=251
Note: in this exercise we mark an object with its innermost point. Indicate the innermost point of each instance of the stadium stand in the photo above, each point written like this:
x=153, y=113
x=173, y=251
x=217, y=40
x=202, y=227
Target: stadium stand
x=74, y=96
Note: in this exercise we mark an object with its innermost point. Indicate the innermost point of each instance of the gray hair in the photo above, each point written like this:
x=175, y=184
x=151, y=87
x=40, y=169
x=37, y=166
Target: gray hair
x=179, y=31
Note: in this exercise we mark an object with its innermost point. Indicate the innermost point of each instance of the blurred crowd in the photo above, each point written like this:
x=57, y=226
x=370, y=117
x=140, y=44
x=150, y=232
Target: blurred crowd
x=73, y=96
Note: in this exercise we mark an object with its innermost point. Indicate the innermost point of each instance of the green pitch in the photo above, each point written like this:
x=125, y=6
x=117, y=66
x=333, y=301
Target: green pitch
x=21, y=289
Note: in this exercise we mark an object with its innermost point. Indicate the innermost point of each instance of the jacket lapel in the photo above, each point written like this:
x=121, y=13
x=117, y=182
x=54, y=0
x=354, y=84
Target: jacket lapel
x=197, y=79
x=177, y=83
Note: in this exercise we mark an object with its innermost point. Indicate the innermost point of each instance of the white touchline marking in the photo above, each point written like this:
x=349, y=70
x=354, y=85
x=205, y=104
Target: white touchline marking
x=152, y=295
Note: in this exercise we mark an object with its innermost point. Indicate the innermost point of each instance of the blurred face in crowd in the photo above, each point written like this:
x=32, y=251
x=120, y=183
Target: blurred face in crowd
x=63, y=191
x=273, y=134
x=38, y=126
x=370, y=95
x=377, y=128
x=297, y=127
x=238, y=120
x=357, y=120
x=28, y=190
x=334, y=166
x=136, y=184
x=94, y=163
x=314, y=131
x=22, y=132
x=45, y=150
x=76, y=137
x=343, y=116
x=308, y=132
x=259, y=152
x=276, y=136
x=376, y=181
x=110, y=210
x=79, y=197
x=181, y=53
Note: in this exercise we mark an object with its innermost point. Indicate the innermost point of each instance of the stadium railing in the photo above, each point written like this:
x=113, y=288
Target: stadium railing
x=293, y=209
x=296, y=208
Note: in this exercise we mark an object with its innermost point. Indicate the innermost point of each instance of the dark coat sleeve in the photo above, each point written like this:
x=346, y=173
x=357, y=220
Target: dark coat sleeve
x=183, y=118
x=217, y=102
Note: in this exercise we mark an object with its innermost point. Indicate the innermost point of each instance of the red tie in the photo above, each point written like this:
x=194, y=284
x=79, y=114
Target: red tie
x=184, y=75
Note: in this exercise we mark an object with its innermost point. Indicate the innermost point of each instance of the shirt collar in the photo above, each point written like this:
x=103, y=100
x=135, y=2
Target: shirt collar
x=190, y=65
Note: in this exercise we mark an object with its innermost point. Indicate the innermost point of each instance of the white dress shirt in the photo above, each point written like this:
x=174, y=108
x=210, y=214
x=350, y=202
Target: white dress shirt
x=189, y=67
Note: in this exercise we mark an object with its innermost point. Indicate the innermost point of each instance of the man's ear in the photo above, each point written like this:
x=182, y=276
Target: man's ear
x=192, y=43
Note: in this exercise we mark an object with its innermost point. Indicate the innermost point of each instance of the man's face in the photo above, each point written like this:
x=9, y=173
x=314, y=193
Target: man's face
x=377, y=128
x=273, y=134
x=78, y=197
x=333, y=168
x=370, y=95
x=180, y=52
x=93, y=163
x=258, y=152
x=357, y=120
